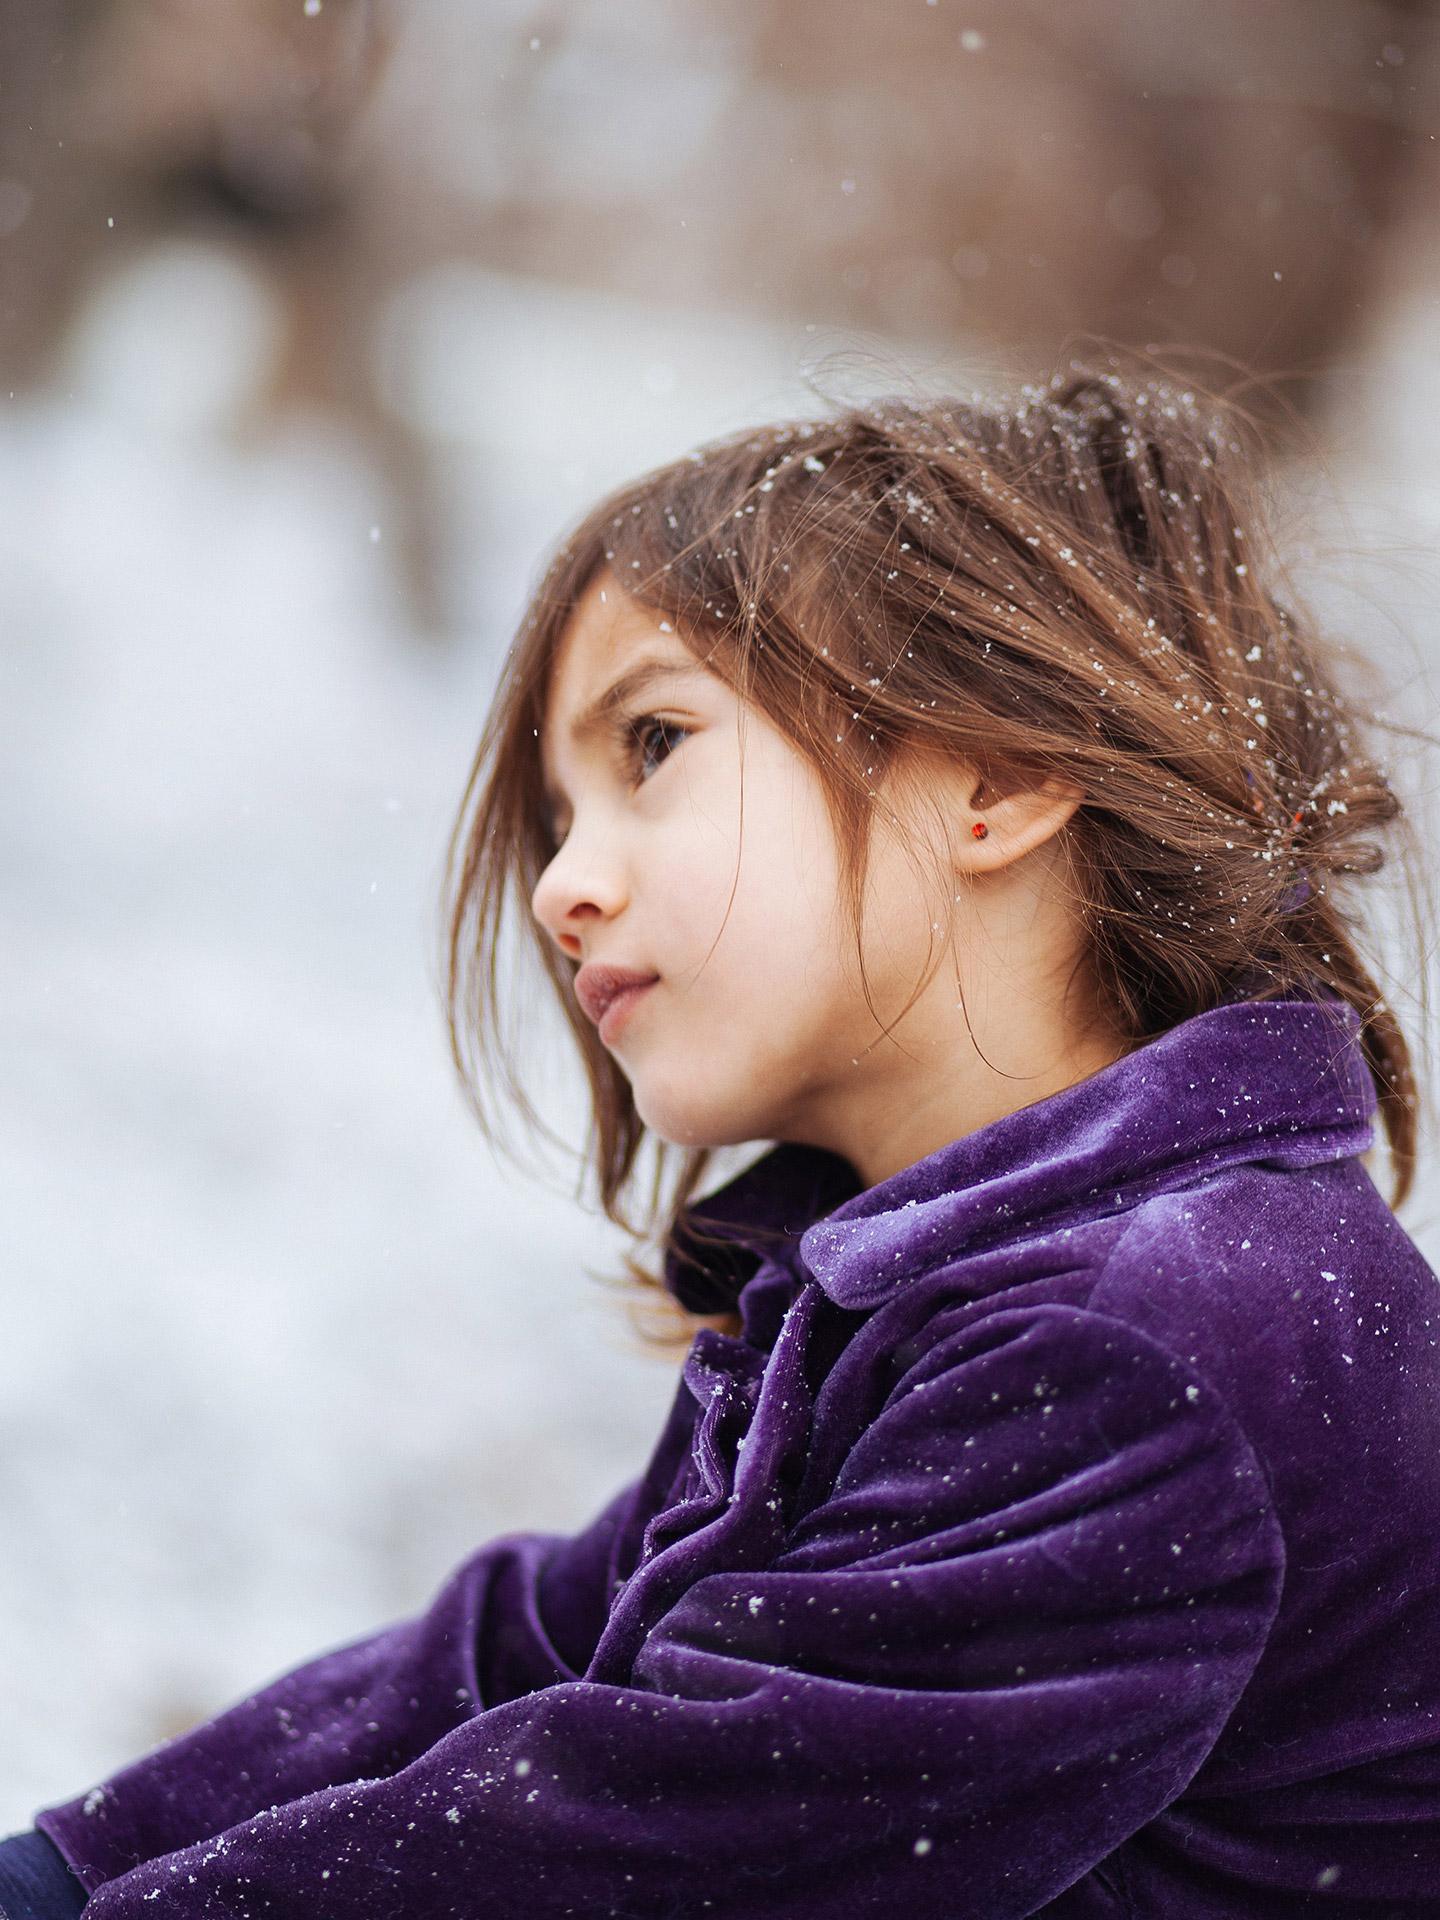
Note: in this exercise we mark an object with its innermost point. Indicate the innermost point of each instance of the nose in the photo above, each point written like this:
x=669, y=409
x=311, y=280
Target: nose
x=580, y=887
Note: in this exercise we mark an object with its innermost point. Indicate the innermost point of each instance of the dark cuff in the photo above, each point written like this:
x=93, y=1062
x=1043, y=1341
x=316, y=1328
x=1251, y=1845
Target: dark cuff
x=35, y=1880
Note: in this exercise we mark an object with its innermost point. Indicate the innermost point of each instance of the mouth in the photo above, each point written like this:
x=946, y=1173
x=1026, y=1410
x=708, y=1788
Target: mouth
x=618, y=1011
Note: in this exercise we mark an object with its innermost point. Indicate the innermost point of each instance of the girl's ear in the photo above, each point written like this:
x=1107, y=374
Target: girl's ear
x=944, y=800
x=1017, y=817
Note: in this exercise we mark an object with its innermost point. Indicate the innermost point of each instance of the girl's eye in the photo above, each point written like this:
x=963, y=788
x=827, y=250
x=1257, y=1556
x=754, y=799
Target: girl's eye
x=643, y=731
x=636, y=737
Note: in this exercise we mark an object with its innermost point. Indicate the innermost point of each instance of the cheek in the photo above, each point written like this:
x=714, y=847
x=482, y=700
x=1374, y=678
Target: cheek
x=774, y=904
x=758, y=893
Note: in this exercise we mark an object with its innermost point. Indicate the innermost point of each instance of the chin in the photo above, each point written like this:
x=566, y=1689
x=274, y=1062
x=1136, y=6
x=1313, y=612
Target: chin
x=682, y=1120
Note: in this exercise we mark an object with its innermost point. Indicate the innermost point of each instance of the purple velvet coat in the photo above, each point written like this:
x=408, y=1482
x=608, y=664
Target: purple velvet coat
x=1062, y=1537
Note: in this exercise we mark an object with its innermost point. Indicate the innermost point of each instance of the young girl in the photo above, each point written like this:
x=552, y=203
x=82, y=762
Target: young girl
x=1048, y=1517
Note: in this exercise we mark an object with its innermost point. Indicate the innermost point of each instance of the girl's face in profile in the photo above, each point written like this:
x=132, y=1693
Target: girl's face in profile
x=752, y=1026
x=721, y=876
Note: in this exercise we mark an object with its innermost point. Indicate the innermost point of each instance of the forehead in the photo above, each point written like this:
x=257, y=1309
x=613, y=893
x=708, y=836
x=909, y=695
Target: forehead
x=608, y=643
x=604, y=633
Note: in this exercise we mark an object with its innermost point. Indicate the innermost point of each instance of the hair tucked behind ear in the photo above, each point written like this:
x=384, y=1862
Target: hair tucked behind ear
x=1076, y=585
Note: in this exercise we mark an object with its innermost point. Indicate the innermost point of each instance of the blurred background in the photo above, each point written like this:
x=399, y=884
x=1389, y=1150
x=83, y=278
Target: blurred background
x=319, y=321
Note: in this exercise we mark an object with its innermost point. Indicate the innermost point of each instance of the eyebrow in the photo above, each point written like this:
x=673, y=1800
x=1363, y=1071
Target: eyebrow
x=598, y=716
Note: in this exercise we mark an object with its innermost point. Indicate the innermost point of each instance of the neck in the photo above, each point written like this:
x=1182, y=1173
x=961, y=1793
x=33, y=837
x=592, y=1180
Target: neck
x=912, y=1121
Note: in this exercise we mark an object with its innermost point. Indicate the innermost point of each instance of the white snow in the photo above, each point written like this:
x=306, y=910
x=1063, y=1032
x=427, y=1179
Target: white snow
x=282, y=1342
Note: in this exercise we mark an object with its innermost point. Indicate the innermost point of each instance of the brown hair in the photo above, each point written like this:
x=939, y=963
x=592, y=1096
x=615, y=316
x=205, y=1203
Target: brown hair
x=1071, y=585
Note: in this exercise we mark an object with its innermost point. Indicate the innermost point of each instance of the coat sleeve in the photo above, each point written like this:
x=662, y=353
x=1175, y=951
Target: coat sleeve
x=35, y=1881
x=522, y=1613
x=1003, y=1638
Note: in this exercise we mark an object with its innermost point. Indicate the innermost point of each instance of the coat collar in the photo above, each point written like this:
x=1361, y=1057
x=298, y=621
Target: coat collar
x=1264, y=1082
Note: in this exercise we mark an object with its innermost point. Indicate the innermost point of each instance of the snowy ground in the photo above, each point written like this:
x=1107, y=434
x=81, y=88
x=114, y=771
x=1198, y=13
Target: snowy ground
x=282, y=1343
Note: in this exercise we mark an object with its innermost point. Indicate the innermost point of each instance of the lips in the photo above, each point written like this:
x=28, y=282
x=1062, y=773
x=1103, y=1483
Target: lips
x=597, y=985
x=617, y=1014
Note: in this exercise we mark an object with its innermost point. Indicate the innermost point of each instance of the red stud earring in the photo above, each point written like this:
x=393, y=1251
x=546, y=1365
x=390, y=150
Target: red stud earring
x=979, y=830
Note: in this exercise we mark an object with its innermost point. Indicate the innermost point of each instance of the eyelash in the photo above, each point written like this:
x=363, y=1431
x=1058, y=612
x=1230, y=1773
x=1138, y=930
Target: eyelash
x=638, y=730
x=632, y=733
